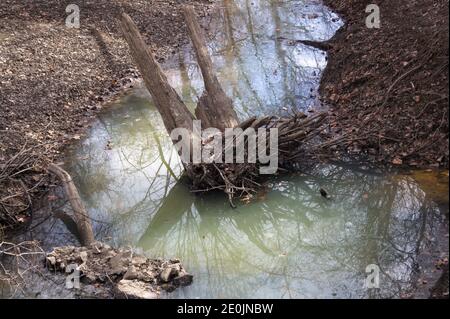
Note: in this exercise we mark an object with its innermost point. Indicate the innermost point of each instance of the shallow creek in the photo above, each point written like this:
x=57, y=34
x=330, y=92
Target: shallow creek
x=290, y=242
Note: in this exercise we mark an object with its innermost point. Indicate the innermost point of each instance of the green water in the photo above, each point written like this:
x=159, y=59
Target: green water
x=289, y=242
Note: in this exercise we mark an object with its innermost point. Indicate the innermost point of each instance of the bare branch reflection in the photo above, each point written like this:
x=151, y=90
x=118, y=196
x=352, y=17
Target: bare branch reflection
x=290, y=242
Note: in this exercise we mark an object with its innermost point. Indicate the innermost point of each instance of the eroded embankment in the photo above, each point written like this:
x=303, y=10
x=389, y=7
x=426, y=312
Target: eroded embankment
x=388, y=87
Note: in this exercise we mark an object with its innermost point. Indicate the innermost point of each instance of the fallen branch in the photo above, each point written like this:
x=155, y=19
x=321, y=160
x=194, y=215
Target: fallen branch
x=81, y=216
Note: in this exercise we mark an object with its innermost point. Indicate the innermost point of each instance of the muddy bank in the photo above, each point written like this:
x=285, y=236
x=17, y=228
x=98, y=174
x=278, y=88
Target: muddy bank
x=388, y=87
x=54, y=79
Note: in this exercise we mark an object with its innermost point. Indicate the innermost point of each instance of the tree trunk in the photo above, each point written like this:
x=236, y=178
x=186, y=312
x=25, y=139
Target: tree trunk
x=214, y=106
x=215, y=110
x=174, y=112
x=81, y=216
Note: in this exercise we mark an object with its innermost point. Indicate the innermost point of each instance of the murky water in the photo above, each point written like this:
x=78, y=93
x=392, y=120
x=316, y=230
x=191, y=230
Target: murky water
x=290, y=242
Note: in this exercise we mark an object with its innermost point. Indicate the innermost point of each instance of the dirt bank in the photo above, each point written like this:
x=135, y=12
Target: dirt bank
x=388, y=87
x=53, y=79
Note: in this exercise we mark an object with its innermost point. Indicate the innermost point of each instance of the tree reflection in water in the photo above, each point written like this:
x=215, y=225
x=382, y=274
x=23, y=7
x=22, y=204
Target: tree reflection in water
x=260, y=62
x=291, y=242
x=294, y=243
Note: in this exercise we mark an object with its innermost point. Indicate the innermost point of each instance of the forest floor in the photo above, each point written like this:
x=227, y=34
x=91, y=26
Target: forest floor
x=53, y=80
x=388, y=87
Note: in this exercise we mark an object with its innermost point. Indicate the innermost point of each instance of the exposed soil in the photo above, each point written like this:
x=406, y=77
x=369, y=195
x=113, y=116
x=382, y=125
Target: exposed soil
x=388, y=87
x=53, y=80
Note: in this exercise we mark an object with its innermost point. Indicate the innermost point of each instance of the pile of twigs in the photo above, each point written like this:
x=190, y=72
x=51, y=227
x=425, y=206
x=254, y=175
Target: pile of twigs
x=15, y=193
x=242, y=179
x=16, y=260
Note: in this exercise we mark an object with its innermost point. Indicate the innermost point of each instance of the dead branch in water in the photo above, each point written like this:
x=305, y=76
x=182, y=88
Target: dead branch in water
x=214, y=108
x=81, y=216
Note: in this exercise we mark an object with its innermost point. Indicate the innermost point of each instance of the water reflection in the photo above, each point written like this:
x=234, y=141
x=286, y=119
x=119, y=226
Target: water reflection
x=260, y=61
x=295, y=244
x=126, y=167
x=289, y=243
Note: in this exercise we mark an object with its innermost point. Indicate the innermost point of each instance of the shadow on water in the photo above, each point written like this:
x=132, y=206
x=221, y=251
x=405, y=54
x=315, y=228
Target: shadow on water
x=288, y=243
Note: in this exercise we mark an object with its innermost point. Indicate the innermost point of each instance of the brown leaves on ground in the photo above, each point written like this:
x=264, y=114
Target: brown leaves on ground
x=388, y=87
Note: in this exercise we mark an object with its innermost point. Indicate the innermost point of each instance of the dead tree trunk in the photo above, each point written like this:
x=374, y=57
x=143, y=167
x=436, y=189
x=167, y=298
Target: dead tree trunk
x=215, y=109
x=80, y=215
x=173, y=111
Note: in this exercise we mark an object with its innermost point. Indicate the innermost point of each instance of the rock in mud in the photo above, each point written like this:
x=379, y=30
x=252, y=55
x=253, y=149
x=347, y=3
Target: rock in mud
x=51, y=261
x=183, y=279
x=170, y=272
x=131, y=273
